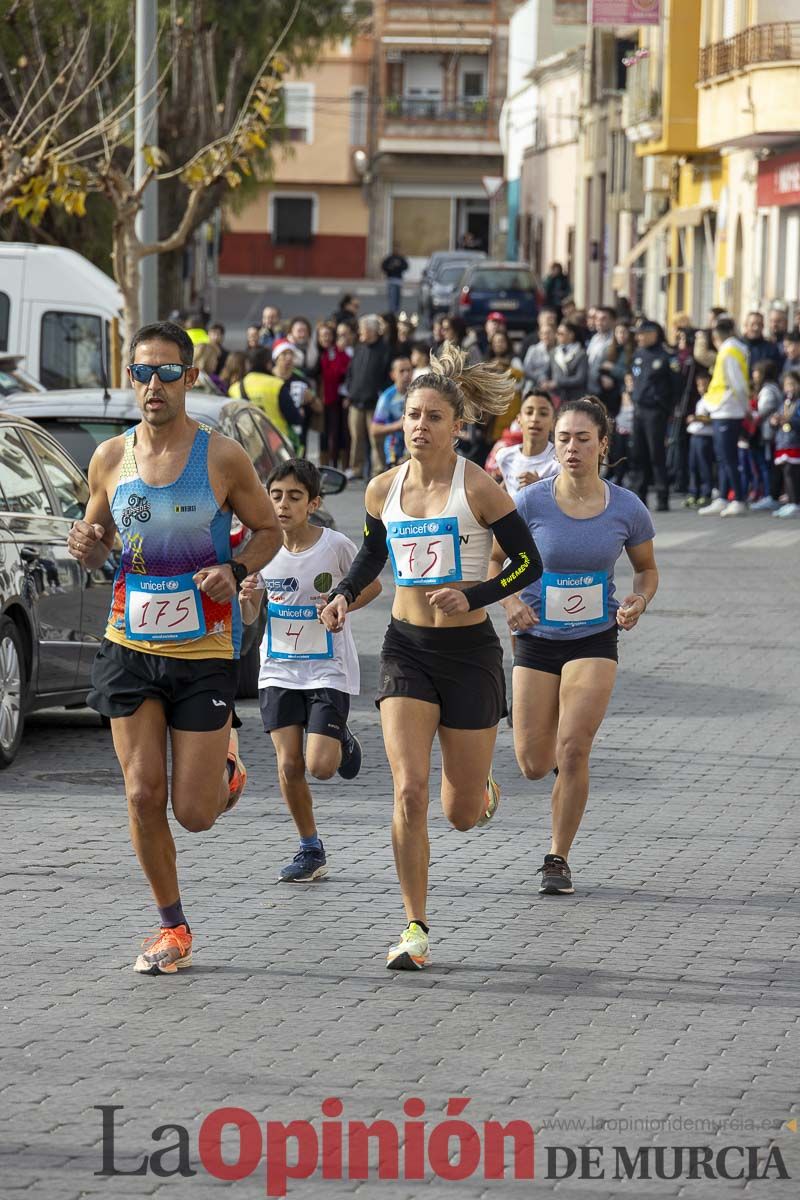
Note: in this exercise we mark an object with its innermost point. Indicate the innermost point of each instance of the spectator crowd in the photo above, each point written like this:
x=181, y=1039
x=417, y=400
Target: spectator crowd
x=710, y=413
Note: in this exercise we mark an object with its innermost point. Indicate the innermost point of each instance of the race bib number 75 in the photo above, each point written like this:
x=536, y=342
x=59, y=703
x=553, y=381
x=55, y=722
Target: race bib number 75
x=425, y=553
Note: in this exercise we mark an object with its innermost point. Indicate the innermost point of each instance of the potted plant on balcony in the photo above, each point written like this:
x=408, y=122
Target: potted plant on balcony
x=392, y=106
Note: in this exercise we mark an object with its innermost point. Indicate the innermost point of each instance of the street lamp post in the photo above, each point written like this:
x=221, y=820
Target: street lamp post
x=146, y=134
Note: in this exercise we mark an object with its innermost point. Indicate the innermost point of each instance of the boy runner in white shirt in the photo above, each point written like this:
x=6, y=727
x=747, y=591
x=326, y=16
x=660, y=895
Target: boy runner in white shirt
x=536, y=458
x=307, y=674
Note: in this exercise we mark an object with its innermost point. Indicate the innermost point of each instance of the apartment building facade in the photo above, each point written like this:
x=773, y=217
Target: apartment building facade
x=435, y=153
x=311, y=219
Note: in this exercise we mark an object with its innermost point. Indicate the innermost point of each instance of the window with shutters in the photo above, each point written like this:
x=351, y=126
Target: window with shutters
x=292, y=219
x=298, y=103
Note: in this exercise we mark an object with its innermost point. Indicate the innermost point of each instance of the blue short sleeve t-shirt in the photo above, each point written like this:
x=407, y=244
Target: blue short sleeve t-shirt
x=579, y=556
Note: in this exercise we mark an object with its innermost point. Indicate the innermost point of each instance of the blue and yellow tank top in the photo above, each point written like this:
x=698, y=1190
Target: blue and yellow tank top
x=167, y=534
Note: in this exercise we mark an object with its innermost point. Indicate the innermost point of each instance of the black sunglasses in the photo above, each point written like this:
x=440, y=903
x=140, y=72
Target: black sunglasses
x=167, y=372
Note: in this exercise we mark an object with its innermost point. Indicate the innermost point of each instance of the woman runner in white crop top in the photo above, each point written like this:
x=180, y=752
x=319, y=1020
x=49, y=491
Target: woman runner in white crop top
x=441, y=668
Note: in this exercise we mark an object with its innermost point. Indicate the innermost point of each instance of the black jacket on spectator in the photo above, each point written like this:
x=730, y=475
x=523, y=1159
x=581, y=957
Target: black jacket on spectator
x=654, y=381
x=368, y=373
x=760, y=350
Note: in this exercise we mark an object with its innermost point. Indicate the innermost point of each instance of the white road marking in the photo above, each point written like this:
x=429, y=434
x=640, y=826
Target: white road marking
x=776, y=539
x=669, y=541
x=329, y=291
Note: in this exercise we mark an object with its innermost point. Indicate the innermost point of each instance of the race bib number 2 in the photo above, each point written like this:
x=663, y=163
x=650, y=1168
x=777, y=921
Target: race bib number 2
x=570, y=600
x=295, y=631
x=425, y=553
x=163, y=609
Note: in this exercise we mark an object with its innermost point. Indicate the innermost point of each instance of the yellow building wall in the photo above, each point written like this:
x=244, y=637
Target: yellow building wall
x=756, y=102
x=696, y=187
x=678, y=49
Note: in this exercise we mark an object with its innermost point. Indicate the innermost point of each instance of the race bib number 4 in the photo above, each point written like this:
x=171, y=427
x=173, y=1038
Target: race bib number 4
x=571, y=600
x=295, y=631
x=163, y=609
x=425, y=553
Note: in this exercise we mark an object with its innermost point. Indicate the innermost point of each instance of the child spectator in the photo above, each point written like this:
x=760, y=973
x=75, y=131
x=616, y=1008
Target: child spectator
x=701, y=446
x=768, y=400
x=786, y=424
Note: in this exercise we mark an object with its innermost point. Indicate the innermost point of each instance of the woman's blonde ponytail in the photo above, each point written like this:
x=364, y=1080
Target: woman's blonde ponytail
x=472, y=390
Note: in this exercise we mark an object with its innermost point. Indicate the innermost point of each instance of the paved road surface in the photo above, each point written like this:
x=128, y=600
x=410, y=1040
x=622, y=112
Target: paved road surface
x=666, y=989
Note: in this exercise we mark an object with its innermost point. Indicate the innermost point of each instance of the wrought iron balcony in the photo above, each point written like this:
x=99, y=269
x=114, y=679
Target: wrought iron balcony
x=420, y=108
x=778, y=42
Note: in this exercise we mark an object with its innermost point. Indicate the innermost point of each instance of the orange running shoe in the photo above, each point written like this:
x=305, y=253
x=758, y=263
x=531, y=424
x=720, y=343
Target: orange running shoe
x=165, y=952
x=238, y=776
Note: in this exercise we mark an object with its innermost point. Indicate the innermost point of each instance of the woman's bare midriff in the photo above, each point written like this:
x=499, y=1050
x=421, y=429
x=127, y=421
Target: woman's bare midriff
x=411, y=605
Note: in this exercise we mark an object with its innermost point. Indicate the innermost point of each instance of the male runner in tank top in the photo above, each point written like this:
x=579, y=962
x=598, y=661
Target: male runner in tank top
x=169, y=488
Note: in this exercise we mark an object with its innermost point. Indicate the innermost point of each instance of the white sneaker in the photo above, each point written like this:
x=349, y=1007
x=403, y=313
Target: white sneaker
x=411, y=953
x=736, y=508
x=788, y=510
x=716, y=506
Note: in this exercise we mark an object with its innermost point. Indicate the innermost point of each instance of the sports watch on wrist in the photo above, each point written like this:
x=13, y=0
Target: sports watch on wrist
x=240, y=573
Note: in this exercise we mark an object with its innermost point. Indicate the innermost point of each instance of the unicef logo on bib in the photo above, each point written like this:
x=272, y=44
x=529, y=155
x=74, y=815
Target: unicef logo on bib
x=425, y=553
x=570, y=600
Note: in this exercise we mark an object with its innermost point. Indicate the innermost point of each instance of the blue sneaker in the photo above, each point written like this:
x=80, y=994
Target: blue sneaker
x=306, y=866
x=765, y=505
x=351, y=755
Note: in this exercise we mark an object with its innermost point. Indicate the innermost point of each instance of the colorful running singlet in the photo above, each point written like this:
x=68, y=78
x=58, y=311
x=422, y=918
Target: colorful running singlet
x=168, y=533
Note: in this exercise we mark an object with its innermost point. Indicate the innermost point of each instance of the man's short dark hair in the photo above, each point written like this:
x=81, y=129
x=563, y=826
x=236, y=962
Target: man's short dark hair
x=163, y=331
x=306, y=474
x=217, y=326
x=399, y=357
x=724, y=326
x=260, y=359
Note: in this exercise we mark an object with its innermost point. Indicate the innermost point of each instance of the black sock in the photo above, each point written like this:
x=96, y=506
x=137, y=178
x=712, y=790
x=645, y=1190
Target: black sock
x=421, y=924
x=173, y=915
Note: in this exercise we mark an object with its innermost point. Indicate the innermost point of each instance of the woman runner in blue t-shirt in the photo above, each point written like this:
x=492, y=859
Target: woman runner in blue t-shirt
x=566, y=623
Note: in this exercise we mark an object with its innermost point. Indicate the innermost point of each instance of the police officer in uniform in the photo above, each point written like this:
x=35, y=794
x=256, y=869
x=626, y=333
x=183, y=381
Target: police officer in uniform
x=653, y=401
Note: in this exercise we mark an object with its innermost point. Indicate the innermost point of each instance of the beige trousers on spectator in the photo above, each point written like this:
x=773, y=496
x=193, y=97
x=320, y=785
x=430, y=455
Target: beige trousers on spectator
x=377, y=440
x=358, y=424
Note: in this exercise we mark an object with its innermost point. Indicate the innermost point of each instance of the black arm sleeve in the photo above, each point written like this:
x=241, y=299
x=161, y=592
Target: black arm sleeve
x=514, y=537
x=367, y=564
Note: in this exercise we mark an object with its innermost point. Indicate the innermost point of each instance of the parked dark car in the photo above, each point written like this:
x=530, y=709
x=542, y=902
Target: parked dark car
x=506, y=287
x=81, y=419
x=52, y=611
x=440, y=278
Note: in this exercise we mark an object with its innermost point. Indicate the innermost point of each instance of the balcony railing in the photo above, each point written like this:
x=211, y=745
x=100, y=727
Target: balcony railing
x=418, y=108
x=779, y=42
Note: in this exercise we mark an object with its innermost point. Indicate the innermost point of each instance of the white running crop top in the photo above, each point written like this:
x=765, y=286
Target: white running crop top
x=436, y=551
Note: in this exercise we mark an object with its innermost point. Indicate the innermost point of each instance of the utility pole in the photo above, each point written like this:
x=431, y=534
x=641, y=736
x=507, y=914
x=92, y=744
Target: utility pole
x=146, y=134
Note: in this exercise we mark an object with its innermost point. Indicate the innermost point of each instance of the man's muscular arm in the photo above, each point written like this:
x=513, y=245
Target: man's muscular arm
x=90, y=541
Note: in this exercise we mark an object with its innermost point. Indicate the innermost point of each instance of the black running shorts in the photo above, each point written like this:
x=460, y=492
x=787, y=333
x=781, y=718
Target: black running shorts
x=318, y=710
x=460, y=669
x=551, y=654
x=197, y=694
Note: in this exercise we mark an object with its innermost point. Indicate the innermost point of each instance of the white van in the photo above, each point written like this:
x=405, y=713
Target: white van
x=56, y=312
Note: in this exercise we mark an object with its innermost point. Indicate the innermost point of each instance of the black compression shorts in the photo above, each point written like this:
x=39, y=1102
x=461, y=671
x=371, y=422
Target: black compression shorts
x=197, y=694
x=460, y=669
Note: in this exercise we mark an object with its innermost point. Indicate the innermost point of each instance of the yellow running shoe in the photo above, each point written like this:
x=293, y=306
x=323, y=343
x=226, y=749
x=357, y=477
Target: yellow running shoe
x=411, y=952
x=165, y=952
x=492, y=801
x=238, y=776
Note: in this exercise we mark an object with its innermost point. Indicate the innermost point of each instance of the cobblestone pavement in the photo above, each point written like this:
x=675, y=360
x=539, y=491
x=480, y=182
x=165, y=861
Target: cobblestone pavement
x=665, y=990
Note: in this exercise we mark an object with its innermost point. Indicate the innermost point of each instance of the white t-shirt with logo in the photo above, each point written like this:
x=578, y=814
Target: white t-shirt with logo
x=513, y=463
x=298, y=580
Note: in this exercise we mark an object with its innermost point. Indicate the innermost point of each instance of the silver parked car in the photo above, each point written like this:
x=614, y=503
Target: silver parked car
x=440, y=279
x=51, y=609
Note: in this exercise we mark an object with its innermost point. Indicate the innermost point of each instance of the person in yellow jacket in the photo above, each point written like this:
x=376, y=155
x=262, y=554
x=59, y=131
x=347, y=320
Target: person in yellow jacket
x=273, y=392
x=727, y=401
